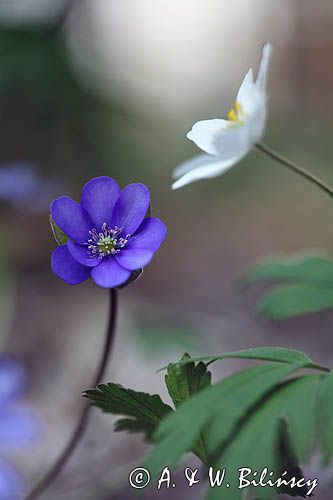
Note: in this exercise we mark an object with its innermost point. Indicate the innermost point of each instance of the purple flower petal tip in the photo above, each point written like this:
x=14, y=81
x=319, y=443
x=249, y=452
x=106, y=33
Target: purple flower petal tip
x=110, y=236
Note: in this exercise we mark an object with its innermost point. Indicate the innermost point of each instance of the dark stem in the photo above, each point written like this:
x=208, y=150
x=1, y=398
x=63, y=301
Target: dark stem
x=295, y=168
x=83, y=420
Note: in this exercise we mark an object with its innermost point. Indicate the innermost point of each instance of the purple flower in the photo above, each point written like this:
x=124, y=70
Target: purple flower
x=109, y=233
x=18, y=426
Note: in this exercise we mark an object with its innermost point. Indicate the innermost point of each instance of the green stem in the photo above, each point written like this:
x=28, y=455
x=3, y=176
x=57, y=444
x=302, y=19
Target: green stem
x=80, y=428
x=295, y=168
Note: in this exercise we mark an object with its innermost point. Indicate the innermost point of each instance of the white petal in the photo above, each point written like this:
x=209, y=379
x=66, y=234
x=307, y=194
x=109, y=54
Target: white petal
x=192, y=163
x=247, y=93
x=249, y=96
x=205, y=132
x=205, y=167
x=263, y=67
x=257, y=123
x=237, y=140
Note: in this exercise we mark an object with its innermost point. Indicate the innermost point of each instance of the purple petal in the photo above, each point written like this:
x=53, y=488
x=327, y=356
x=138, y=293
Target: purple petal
x=131, y=208
x=80, y=254
x=12, y=485
x=150, y=235
x=67, y=268
x=109, y=273
x=18, y=426
x=12, y=381
x=133, y=259
x=71, y=218
x=99, y=197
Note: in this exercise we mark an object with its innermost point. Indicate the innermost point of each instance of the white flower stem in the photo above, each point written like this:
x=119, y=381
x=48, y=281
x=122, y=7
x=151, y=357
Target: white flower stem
x=81, y=425
x=295, y=168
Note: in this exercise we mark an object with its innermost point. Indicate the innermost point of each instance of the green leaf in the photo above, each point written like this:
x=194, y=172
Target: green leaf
x=135, y=426
x=288, y=461
x=276, y=354
x=60, y=237
x=257, y=438
x=308, y=286
x=185, y=380
x=145, y=409
x=224, y=402
x=326, y=417
x=287, y=301
x=311, y=269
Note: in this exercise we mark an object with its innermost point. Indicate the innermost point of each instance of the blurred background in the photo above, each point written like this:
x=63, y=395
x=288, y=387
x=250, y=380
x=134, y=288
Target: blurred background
x=92, y=88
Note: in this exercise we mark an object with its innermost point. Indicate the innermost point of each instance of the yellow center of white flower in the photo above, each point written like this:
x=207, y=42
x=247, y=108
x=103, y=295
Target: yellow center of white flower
x=236, y=114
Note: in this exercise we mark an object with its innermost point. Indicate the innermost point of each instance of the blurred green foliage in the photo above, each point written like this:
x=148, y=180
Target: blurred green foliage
x=307, y=285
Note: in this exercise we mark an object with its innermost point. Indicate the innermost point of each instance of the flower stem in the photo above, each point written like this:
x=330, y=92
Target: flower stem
x=295, y=168
x=83, y=420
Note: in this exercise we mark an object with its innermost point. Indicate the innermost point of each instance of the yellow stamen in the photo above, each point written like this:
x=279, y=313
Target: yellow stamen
x=236, y=113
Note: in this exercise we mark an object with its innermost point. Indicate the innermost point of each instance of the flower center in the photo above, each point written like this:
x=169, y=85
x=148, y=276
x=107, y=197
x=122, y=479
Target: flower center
x=236, y=113
x=107, y=242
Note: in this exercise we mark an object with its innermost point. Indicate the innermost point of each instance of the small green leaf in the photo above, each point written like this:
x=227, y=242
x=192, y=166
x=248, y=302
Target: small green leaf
x=287, y=301
x=311, y=269
x=135, y=426
x=60, y=237
x=326, y=417
x=185, y=380
x=145, y=409
x=276, y=354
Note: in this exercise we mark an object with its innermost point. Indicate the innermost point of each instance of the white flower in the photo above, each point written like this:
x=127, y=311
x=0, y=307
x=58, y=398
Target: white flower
x=226, y=142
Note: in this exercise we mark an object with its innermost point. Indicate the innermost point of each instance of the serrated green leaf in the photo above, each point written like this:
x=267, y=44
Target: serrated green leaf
x=185, y=380
x=258, y=436
x=145, y=409
x=325, y=405
x=224, y=402
x=311, y=269
x=134, y=426
x=286, y=301
x=60, y=237
x=276, y=354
